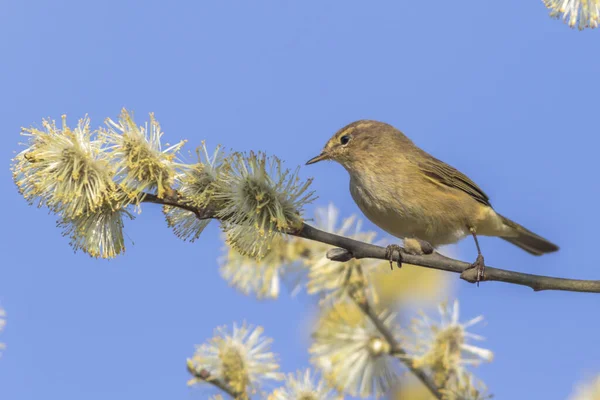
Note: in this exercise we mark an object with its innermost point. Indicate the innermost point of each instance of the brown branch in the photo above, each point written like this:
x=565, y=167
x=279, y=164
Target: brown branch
x=396, y=349
x=356, y=249
x=348, y=248
x=205, y=376
x=175, y=202
x=359, y=249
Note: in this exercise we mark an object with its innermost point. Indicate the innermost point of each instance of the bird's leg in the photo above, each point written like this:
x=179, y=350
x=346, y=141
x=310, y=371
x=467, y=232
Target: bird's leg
x=479, y=263
x=411, y=246
x=389, y=254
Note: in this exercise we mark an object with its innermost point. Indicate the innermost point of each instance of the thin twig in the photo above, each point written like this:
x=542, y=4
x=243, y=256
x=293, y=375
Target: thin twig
x=174, y=202
x=205, y=376
x=396, y=349
x=357, y=249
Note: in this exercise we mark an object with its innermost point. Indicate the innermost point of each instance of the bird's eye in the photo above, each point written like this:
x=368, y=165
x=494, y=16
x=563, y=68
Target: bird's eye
x=345, y=139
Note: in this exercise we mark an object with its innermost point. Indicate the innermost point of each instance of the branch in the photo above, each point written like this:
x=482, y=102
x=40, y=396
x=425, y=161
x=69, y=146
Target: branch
x=205, y=376
x=396, y=349
x=357, y=249
x=174, y=201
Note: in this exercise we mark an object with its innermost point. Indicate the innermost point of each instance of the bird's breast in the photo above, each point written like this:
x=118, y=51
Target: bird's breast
x=381, y=204
x=407, y=209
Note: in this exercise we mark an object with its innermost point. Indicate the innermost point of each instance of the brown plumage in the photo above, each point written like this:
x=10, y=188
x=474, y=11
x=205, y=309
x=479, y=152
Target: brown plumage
x=414, y=196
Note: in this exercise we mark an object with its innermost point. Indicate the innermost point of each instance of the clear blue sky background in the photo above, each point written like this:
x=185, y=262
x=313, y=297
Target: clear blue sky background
x=499, y=90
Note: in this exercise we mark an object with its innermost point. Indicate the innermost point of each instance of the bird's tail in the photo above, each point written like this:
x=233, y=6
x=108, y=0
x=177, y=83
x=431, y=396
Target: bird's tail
x=527, y=240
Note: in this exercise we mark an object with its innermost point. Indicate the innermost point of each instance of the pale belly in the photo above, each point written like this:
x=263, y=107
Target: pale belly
x=436, y=223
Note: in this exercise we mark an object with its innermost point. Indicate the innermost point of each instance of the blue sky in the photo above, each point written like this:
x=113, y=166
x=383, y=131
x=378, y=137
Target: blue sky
x=499, y=90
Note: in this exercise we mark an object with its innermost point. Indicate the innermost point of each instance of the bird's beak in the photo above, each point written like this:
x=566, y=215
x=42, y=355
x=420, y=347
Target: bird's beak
x=320, y=157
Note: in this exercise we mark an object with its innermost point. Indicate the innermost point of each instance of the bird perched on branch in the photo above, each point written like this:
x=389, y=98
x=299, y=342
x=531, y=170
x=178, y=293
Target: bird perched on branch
x=416, y=197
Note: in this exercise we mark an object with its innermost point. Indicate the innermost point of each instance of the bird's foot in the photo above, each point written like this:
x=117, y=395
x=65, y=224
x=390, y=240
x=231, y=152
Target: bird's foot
x=417, y=247
x=389, y=254
x=426, y=247
x=479, y=264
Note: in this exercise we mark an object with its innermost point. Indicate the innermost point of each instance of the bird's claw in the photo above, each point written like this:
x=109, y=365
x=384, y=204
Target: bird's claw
x=480, y=265
x=389, y=254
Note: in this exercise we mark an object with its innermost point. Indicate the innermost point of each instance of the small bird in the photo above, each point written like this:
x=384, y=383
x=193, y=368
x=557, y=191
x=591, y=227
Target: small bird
x=416, y=197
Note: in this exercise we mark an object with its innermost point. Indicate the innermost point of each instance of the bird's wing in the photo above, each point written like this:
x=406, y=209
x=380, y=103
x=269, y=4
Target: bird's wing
x=441, y=173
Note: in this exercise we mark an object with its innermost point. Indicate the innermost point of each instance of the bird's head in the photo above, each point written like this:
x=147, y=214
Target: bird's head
x=360, y=141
